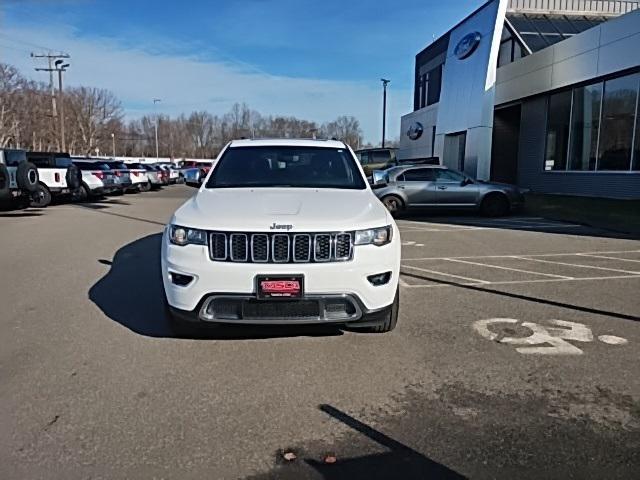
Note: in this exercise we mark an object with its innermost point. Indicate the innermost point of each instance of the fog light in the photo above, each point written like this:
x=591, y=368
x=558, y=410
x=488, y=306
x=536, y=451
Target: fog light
x=181, y=280
x=379, y=279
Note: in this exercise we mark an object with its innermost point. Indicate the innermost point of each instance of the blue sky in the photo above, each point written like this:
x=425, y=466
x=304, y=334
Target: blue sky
x=314, y=60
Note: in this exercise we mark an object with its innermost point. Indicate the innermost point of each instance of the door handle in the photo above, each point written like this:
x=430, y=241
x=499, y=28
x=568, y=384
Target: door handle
x=401, y=187
x=442, y=188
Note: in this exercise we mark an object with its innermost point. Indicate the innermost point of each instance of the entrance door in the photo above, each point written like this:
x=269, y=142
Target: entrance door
x=454, y=190
x=504, y=149
x=454, y=150
x=418, y=186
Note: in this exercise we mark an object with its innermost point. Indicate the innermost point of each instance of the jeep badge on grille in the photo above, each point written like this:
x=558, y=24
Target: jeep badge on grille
x=276, y=226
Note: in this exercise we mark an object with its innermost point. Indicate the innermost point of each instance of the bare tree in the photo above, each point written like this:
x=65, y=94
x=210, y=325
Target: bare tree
x=93, y=115
x=91, y=112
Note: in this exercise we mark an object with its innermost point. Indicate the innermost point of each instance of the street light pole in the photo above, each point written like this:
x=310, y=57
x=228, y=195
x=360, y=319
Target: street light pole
x=61, y=68
x=156, y=101
x=113, y=144
x=385, y=82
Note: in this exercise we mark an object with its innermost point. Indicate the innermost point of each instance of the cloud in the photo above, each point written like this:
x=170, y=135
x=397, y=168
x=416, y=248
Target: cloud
x=185, y=82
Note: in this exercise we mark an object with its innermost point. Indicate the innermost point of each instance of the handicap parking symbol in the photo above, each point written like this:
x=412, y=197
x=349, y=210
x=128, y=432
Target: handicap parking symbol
x=555, y=339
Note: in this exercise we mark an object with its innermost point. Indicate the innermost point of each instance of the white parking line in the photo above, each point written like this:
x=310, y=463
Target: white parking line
x=430, y=230
x=422, y=224
x=403, y=283
x=580, y=266
x=608, y=258
x=525, y=282
x=457, y=260
x=435, y=272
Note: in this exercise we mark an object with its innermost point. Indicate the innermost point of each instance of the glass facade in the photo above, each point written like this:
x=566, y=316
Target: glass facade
x=558, y=131
x=429, y=87
x=510, y=48
x=618, y=123
x=585, y=124
x=595, y=127
x=540, y=31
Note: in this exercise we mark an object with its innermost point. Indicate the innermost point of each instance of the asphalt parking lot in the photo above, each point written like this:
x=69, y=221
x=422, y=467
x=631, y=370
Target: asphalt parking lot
x=516, y=356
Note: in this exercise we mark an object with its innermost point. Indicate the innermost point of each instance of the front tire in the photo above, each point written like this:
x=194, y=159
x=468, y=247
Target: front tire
x=394, y=205
x=41, y=197
x=177, y=327
x=495, y=205
x=387, y=319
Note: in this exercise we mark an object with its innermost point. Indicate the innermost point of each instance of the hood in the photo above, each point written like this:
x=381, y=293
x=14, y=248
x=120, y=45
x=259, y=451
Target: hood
x=282, y=209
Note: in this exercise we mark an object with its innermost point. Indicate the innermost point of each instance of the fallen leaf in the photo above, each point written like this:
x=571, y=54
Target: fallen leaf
x=289, y=456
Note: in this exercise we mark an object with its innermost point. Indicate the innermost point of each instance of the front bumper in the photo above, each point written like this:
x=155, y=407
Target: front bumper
x=322, y=281
x=311, y=310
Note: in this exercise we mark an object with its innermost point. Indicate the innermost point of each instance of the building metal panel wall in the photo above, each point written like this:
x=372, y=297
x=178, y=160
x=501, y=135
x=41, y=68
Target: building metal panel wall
x=421, y=147
x=468, y=87
x=609, y=48
x=573, y=7
x=531, y=172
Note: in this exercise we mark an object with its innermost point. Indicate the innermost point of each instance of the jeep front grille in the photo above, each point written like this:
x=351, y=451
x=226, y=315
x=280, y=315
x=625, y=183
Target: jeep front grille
x=280, y=247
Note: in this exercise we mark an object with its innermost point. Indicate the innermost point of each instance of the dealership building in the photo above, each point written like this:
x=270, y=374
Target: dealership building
x=540, y=93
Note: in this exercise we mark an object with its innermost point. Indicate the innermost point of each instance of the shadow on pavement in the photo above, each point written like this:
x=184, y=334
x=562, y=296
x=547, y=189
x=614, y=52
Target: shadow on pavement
x=20, y=214
x=397, y=460
x=400, y=461
x=579, y=308
x=131, y=293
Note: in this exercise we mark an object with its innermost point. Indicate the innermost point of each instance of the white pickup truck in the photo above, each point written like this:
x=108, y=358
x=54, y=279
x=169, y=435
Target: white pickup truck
x=282, y=232
x=58, y=176
x=18, y=177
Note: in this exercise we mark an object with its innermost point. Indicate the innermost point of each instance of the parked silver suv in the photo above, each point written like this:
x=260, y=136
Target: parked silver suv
x=426, y=186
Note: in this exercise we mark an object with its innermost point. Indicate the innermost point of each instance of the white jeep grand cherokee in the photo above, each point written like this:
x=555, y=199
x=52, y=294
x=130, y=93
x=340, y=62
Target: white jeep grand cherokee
x=282, y=232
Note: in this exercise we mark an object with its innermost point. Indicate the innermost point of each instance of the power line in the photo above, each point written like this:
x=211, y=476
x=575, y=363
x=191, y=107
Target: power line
x=12, y=47
x=23, y=42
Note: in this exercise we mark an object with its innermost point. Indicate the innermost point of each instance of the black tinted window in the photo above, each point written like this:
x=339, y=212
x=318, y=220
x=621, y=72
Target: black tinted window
x=449, y=176
x=62, y=162
x=420, y=175
x=283, y=166
x=382, y=156
x=363, y=157
x=14, y=157
x=92, y=166
x=40, y=162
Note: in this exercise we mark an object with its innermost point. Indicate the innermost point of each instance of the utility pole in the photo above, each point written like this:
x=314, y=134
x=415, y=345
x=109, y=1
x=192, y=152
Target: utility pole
x=50, y=58
x=156, y=101
x=385, y=82
x=61, y=67
x=57, y=66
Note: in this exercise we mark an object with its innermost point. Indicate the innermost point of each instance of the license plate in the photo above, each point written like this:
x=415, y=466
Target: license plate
x=279, y=286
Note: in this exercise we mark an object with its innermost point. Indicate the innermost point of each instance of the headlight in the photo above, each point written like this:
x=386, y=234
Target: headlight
x=374, y=236
x=187, y=236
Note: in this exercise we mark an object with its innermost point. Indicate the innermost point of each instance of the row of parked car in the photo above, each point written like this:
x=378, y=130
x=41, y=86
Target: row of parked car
x=35, y=178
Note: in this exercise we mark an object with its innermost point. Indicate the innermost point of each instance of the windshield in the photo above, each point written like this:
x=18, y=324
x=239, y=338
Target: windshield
x=282, y=166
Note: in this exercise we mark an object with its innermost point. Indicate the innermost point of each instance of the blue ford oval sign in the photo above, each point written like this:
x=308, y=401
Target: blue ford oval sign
x=467, y=45
x=415, y=131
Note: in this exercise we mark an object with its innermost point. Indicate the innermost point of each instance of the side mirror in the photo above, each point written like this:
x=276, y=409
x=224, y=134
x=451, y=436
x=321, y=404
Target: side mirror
x=465, y=182
x=378, y=186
